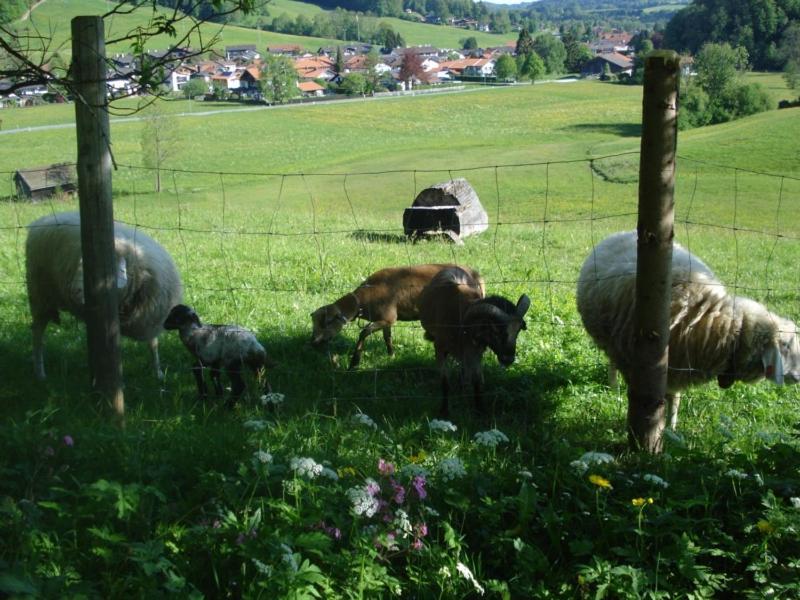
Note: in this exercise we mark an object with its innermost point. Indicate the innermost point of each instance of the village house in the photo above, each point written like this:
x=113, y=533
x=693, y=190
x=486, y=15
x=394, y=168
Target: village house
x=242, y=52
x=617, y=64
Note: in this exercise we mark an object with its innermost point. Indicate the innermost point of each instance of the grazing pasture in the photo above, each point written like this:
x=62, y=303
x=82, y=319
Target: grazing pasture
x=343, y=484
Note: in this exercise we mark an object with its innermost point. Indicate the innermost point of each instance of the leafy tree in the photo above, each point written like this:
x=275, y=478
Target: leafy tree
x=278, y=81
x=577, y=53
x=718, y=66
x=637, y=76
x=195, y=87
x=159, y=140
x=505, y=68
x=470, y=43
x=531, y=66
x=524, y=42
x=370, y=75
x=552, y=52
x=789, y=51
x=354, y=84
x=338, y=63
x=30, y=51
x=411, y=67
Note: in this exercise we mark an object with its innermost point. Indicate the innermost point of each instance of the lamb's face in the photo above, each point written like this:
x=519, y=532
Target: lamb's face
x=326, y=321
x=790, y=350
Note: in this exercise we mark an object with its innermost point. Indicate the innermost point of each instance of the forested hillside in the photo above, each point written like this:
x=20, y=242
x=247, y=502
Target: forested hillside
x=768, y=29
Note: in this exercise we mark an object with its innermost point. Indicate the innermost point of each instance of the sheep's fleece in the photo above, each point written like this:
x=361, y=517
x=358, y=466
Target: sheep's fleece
x=147, y=280
x=712, y=334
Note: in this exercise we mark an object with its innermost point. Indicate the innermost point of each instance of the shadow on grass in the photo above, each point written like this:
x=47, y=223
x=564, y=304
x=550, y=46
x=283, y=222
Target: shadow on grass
x=618, y=129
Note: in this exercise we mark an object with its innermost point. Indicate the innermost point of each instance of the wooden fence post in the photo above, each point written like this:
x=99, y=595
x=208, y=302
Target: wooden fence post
x=97, y=215
x=648, y=384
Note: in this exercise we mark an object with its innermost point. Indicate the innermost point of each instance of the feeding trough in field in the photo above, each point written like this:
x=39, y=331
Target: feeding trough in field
x=451, y=208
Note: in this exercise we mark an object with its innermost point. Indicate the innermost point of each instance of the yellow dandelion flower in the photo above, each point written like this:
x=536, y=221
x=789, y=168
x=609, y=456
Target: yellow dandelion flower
x=641, y=501
x=347, y=472
x=600, y=481
x=765, y=527
x=419, y=457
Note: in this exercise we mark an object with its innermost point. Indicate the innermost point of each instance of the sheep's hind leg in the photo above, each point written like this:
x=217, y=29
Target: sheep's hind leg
x=237, y=383
x=197, y=371
x=387, y=338
x=673, y=402
x=38, y=327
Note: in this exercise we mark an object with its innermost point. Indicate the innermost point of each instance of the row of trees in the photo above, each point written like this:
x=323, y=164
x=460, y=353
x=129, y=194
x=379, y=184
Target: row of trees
x=339, y=25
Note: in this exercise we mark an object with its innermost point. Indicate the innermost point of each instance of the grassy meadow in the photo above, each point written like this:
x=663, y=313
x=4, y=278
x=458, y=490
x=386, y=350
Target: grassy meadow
x=350, y=488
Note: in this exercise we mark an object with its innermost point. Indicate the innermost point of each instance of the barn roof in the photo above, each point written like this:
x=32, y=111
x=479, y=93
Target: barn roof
x=49, y=176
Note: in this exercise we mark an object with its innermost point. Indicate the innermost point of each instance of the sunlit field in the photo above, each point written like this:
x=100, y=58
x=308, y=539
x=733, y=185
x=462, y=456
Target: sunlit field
x=272, y=213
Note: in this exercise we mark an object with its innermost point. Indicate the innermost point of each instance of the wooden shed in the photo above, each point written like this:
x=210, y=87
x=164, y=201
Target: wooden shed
x=40, y=183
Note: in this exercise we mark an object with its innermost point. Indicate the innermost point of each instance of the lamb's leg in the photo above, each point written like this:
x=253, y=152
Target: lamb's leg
x=197, y=371
x=441, y=362
x=153, y=344
x=216, y=380
x=38, y=327
x=368, y=329
x=234, y=372
x=673, y=402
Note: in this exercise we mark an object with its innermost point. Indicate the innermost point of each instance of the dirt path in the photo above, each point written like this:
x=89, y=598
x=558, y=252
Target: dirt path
x=28, y=12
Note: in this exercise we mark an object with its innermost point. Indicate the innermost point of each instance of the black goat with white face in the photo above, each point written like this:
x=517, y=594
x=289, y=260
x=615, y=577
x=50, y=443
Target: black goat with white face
x=218, y=347
x=462, y=324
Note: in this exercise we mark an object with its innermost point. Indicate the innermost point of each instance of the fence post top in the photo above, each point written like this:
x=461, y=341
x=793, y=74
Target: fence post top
x=668, y=58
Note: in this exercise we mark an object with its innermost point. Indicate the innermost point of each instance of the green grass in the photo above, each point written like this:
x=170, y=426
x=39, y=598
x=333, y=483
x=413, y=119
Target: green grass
x=178, y=503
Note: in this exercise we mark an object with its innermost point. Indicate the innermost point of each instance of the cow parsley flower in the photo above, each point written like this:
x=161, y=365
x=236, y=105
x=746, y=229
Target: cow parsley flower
x=795, y=502
x=262, y=457
x=580, y=466
x=736, y=474
x=440, y=425
x=363, y=420
x=305, y=467
x=363, y=500
x=655, y=480
x=491, y=438
x=255, y=425
x=596, y=458
x=411, y=470
x=273, y=398
x=402, y=523
x=451, y=468
x=329, y=473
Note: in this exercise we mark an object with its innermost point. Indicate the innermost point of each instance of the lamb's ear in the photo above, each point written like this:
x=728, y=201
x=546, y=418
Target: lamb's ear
x=122, y=273
x=773, y=364
x=523, y=304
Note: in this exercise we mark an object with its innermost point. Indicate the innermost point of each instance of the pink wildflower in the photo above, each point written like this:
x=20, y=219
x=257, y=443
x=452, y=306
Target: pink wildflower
x=68, y=441
x=421, y=529
x=419, y=486
x=373, y=489
x=399, y=492
x=385, y=468
x=417, y=544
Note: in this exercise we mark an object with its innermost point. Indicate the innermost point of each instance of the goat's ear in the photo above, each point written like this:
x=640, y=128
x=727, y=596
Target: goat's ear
x=523, y=304
x=773, y=364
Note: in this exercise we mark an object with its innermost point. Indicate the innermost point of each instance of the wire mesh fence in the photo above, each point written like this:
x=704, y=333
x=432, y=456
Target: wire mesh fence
x=265, y=249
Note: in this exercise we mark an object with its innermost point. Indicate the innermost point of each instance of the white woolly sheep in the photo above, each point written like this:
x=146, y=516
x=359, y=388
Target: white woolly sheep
x=385, y=297
x=147, y=281
x=712, y=333
x=462, y=323
x=217, y=347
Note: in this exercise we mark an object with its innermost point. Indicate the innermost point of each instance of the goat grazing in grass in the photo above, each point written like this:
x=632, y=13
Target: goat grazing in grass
x=385, y=297
x=462, y=323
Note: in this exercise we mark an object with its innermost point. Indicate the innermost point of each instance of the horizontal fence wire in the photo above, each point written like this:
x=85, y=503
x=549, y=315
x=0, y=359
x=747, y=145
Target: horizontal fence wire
x=309, y=238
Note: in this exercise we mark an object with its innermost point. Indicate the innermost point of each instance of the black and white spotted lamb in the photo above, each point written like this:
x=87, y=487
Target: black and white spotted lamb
x=218, y=347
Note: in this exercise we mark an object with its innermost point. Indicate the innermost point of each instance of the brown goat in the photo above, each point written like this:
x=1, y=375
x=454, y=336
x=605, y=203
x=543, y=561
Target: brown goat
x=385, y=297
x=462, y=323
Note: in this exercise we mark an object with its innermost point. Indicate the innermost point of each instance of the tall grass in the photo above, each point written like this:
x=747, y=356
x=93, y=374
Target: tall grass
x=272, y=214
